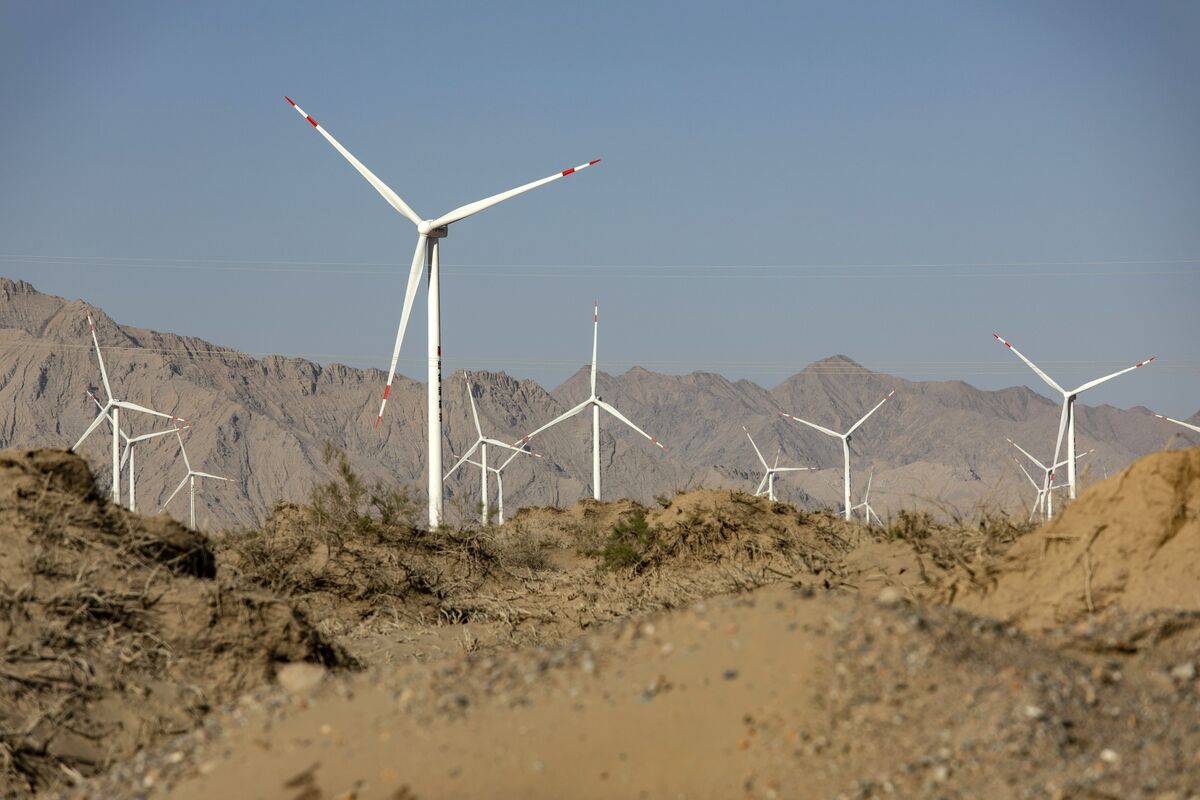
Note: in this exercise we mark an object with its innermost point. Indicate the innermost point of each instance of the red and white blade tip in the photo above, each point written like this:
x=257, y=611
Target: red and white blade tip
x=311, y=121
x=1001, y=340
x=1147, y=361
x=657, y=442
x=567, y=172
x=892, y=392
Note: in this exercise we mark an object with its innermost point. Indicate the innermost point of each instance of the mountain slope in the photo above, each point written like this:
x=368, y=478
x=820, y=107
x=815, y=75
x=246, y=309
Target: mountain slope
x=265, y=423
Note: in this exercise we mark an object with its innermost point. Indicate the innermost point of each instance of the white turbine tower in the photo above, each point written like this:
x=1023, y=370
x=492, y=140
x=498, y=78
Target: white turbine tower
x=481, y=444
x=129, y=453
x=426, y=258
x=868, y=512
x=1045, y=498
x=845, y=438
x=1067, y=419
x=596, y=404
x=768, y=481
x=111, y=410
x=190, y=480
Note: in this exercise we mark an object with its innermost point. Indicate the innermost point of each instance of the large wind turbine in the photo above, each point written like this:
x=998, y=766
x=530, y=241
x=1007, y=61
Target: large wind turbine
x=1067, y=419
x=596, y=404
x=111, y=410
x=190, y=480
x=481, y=444
x=129, y=453
x=768, y=480
x=426, y=258
x=845, y=437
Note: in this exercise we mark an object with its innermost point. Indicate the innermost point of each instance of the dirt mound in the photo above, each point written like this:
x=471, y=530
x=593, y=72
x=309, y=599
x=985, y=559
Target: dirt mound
x=1131, y=542
x=777, y=693
x=114, y=634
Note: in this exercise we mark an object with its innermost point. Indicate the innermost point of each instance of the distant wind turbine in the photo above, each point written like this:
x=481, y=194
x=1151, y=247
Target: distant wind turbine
x=499, y=473
x=110, y=410
x=481, y=444
x=596, y=404
x=129, y=454
x=1066, y=424
x=767, y=484
x=845, y=438
x=1045, y=497
x=426, y=259
x=190, y=480
x=868, y=512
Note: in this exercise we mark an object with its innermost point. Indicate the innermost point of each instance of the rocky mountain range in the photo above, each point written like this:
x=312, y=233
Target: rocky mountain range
x=265, y=423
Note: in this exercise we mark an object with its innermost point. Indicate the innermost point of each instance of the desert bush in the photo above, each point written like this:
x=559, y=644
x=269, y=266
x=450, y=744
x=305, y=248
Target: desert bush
x=632, y=544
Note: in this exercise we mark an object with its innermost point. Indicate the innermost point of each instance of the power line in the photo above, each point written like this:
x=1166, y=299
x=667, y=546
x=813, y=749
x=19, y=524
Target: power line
x=981, y=269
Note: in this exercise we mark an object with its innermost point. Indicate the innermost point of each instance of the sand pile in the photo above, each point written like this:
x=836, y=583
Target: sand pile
x=114, y=632
x=1131, y=542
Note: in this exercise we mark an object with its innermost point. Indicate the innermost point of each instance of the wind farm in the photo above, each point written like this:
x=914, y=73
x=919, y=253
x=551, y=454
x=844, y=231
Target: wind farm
x=799, y=528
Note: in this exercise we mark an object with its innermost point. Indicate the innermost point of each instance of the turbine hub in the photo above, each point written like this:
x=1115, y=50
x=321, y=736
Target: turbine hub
x=425, y=227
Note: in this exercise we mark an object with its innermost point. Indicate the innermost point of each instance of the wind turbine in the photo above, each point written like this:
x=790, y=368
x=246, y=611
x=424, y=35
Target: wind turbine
x=868, y=512
x=189, y=479
x=129, y=454
x=596, y=404
x=1067, y=419
x=768, y=480
x=481, y=444
x=426, y=258
x=845, y=437
x=1187, y=425
x=1045, y=498
x=499, y=473
x=111, y=410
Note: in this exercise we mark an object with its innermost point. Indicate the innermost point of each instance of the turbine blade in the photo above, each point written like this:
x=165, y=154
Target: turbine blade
x=595, y=340
x=101, y=417
x=462, y=460
x=507, y=446
x=142, y=409
x=210, y=475
x=410, y=294
x=393, y=199
x=1030, y=364
x=834, y=434
x=1027, y=475
x=99, y=357
x=567, y=415
x=762, y=484
x=1026, y=452
x=182, y=483
x=474, y=413
x=1098, y=381
x=1062, y=431
x=462, y=212
x=854, y=427
x=624, y=419
x=790, y=469
x=154, y=435
x=1188, y=425
x=183, y=450
x=757, y=452
x=124, y=456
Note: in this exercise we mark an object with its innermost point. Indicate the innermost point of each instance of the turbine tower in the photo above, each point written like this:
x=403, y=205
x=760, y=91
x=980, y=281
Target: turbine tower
x=1067, y=419
x=481, y=444
x=768, y=480
x=111, y=410
x=845, y=437
x=597, y=405
x=426, y=258
x=190, y=480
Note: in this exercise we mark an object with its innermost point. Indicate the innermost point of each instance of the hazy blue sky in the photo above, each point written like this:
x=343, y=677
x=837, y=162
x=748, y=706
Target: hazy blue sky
x=788, y=143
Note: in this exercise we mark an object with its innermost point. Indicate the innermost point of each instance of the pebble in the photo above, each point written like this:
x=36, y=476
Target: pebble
x=1109, y=756
x=1034, y=712
x=1185, y=672
x=729, y=674
x=889, y=596
x=300, y=677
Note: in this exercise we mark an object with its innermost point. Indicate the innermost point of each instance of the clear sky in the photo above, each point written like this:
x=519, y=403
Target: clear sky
x=771, y=175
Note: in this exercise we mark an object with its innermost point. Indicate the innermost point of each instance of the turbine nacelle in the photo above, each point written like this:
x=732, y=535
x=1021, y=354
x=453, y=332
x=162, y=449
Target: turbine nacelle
x=426, y=228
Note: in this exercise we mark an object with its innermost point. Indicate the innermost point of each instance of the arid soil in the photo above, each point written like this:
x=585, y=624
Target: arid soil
x=714, y=646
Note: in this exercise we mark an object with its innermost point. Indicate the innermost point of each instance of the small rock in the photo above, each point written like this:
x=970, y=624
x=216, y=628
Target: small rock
x=729, y=674
x=1185, y=672
x=889, y=596
x=1109, y=756
x=1034, y=712
x=300, y=677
